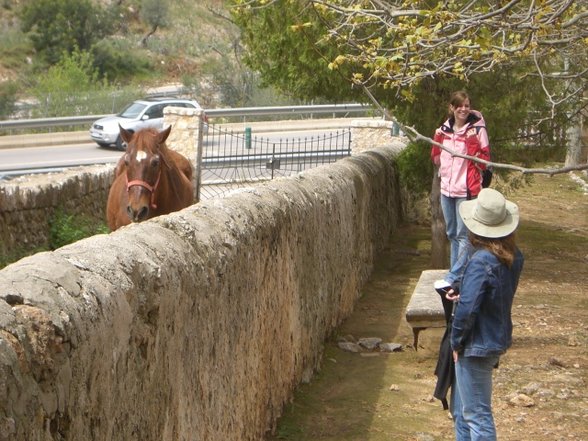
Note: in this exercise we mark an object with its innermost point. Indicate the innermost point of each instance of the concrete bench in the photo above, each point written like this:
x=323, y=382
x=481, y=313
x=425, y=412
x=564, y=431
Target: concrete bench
x=425, y=309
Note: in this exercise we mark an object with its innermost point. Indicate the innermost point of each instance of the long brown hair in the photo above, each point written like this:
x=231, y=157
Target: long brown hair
x=504, y=248
x=457, y=99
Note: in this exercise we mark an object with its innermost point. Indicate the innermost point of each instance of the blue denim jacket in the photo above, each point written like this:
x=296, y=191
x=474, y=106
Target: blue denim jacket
x=482, y=324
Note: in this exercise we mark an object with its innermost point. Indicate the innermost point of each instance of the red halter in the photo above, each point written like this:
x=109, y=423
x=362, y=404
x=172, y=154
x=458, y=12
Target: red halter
x=145, y=185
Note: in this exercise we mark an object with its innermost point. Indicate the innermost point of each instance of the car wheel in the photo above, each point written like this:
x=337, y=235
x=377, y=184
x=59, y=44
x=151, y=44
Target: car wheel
x=120, y=144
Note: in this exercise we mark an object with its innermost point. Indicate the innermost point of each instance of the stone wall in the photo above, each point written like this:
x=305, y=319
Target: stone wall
x=184, y=134
x=197, y=325
x=28, y=204
x=185, y=137
x=367, y=134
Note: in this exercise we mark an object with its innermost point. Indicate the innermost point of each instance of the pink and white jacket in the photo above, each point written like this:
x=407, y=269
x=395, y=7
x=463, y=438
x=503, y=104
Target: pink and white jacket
x=461, y=178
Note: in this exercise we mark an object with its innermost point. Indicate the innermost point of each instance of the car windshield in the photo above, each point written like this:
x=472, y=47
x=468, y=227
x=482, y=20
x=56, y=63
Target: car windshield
x=132, y=110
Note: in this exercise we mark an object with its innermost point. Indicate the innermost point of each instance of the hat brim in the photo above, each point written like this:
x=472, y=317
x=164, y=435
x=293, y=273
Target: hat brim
x=506, y=227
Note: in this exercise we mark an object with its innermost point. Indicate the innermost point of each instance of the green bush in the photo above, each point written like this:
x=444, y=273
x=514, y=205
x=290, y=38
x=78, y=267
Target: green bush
x=67, y=228
x=66, y=88
x=155, y=13
x=115, y=61
x=7, y=99
x=15, y=47
x=58, y=26
x=415, y=167
x=64, y=228
x=75, y=87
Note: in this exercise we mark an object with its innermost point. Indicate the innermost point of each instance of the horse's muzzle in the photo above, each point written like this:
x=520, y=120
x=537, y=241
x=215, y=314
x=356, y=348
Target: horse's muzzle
x=138, y=215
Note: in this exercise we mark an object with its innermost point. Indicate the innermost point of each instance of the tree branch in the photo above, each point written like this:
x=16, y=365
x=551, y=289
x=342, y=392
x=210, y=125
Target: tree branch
x=455, y=41
x=414, y=135
x=546, y=171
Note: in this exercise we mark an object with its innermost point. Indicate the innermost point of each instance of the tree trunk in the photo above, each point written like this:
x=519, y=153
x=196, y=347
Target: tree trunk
x=574, y=138
x=584, y=140
x=439, y=258
x=143, y=42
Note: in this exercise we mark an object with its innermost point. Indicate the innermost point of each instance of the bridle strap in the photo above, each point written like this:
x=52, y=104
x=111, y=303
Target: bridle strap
x=147, y=186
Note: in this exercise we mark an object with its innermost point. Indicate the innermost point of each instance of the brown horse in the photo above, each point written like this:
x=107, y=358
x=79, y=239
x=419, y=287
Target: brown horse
x=150, y=179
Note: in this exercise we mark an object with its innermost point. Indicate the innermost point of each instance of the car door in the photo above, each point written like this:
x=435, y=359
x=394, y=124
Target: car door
x=154, y=116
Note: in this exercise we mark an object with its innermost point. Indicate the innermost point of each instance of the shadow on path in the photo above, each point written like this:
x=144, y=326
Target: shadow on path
x=375, y=395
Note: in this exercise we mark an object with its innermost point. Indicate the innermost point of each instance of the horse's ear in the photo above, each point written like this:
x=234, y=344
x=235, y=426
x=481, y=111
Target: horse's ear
x=164, y=134
x=125, y=134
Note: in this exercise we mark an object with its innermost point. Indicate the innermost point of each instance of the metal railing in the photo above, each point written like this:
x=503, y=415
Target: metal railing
x=233, y=159
x=239, y=112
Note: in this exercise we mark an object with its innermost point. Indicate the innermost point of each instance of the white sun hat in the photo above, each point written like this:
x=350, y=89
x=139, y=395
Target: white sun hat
x=490, y=214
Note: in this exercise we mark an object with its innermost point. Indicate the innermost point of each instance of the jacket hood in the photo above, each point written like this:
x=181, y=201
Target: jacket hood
x=475, y=118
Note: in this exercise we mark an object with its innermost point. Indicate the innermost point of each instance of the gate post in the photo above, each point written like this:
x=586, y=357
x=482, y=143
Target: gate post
x=198, y=156
x=247, y=137
x=186, y=138
x=366, y=135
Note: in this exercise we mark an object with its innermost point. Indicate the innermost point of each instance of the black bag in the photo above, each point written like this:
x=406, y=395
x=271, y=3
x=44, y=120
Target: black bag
x=487, y=177
x=445, y=369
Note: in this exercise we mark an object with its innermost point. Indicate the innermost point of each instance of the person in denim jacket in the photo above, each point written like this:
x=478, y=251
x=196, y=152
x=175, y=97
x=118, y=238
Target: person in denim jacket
x=482, y=327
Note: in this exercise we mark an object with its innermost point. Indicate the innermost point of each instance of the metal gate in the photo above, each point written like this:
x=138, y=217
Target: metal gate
x=237, y=159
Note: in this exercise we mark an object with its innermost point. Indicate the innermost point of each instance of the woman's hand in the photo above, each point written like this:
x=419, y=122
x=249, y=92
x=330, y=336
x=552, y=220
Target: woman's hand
x=455, y=356
x=452, y=296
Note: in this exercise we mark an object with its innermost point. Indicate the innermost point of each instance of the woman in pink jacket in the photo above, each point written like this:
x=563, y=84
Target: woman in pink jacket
x=464, y=132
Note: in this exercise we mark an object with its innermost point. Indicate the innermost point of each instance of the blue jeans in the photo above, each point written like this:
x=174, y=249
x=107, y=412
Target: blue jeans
x=457, y=233
x=471, y=399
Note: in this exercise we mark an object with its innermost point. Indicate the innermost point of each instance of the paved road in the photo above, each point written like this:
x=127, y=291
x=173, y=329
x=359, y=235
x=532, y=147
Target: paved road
x=55, y=156
x=75, y=148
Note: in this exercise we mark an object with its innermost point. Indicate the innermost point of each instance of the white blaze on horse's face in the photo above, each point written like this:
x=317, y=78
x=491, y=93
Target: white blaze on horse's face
x=140, y=155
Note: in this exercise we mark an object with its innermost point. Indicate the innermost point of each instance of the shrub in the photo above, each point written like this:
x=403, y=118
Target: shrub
x=115, y=61
x=7, y=99
x=67, y=87
x=67, y=228
x=415, y=167
x=64, y=228
x=58, y=26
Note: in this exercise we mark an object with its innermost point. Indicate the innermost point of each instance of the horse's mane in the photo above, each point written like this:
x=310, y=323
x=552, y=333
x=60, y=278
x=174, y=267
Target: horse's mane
x=145, y=137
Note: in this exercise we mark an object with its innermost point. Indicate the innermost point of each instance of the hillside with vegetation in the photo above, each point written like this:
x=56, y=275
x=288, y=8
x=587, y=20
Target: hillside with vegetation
x=109, y=52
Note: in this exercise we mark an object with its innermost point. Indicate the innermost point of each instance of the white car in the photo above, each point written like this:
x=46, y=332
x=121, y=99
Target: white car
x=136, y=116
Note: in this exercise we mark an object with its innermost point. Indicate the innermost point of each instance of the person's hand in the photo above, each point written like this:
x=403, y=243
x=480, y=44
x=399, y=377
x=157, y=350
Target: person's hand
x=452, y=296
x=455, y=356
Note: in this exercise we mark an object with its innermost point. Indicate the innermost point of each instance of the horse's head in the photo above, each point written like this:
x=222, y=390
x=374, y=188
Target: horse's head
x=144, y=158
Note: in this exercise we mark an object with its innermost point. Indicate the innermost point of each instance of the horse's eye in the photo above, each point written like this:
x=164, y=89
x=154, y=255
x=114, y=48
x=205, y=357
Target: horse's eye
x=155, y=161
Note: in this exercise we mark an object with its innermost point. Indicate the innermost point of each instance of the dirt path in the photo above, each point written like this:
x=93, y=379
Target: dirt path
x=540, y=391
